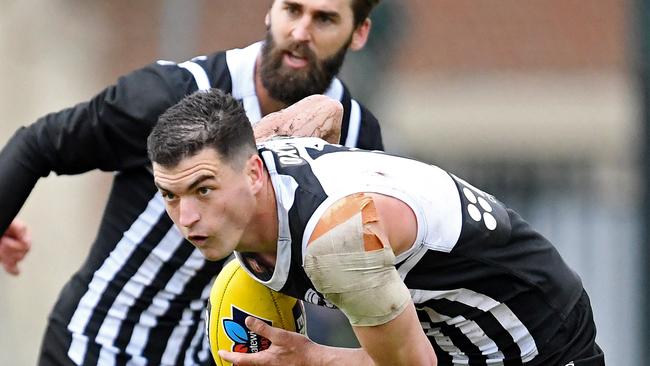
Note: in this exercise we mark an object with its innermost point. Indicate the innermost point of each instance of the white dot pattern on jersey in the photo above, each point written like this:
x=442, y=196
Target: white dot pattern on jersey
x=474, y=211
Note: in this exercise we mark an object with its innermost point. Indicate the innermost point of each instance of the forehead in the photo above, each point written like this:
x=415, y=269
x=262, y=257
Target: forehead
x=338, y=6
x=206, y=162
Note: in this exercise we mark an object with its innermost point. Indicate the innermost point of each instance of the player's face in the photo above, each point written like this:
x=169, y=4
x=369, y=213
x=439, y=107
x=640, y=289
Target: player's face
x=209, y=200
x=306, y=43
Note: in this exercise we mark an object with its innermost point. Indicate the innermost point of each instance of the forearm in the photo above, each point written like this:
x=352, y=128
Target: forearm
x=321, y=355
x=17, y=179
x=314, y=116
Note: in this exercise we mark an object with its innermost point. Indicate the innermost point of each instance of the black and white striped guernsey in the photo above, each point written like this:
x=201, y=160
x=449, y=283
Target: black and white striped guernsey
x=488, y=289
x=139, y=297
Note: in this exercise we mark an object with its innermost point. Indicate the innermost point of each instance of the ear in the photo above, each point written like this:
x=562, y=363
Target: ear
x=255, y=172
x=267, y=19
x=360, y=35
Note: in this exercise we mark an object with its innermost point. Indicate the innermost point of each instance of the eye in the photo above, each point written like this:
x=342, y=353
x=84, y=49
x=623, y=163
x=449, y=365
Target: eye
x=324, y=19
x=203, y=191
x=168, y=196
x=292, y=9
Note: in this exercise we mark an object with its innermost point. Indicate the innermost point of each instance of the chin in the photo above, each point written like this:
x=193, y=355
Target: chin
x=214, y=258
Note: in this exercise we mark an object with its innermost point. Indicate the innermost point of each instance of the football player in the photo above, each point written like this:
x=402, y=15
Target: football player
x=428, y=269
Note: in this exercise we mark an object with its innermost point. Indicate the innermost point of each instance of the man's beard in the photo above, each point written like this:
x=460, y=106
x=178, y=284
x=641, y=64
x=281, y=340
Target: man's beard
x=290, y=85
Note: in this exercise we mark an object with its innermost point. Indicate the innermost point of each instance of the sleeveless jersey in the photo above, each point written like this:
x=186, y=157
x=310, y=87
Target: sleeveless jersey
x=488, y=289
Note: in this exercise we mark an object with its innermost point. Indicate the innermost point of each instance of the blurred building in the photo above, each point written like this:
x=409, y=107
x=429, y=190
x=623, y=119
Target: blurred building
x=533, y=101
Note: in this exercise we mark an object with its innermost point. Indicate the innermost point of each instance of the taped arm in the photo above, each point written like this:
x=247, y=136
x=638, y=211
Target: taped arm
x=350, y=261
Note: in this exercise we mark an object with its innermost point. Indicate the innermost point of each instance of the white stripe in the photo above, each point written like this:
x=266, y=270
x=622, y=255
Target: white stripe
x=335, y=90
x=508, y=320
x=354, y=124
x=285, y=188
x=442, y=340
x=133, y=289
x=200, y=76
x=241, y=64
x=199, y=339
x=175, y=342
x=160, y=304
x=470, y=329
x=411, y=261
x=106, y=273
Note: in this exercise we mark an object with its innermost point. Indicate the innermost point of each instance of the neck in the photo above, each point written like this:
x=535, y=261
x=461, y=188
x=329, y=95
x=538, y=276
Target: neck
x=261, y=236
x=267, y=103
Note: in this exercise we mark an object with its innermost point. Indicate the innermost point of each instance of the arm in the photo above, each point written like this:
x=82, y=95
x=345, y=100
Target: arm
x=108, y=132
x=316, y=115
x=398, y=342
x=350, y=261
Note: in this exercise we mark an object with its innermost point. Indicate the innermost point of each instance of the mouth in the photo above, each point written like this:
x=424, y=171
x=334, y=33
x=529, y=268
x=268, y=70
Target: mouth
x=198, y=240
x=295, y=60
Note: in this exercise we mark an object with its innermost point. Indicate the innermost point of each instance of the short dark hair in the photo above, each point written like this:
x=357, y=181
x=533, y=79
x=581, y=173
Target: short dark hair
x=362, y=9
x=204, y=119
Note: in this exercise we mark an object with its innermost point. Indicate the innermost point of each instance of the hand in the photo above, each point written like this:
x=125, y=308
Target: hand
x=14, y=245
x=287, y=348
x=315, y=115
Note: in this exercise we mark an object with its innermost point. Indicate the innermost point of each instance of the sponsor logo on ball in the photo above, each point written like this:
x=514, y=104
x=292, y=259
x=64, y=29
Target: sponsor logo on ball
x=244, y=340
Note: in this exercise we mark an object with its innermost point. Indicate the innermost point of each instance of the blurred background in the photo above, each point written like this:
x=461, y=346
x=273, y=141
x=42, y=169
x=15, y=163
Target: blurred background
x=543, y=103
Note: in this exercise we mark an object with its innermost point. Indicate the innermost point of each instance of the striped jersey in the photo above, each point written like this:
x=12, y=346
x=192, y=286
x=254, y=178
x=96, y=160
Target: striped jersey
x=488, y=289
x=139, y=298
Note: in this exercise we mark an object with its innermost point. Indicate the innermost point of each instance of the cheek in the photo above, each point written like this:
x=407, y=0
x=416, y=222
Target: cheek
x=172, y=213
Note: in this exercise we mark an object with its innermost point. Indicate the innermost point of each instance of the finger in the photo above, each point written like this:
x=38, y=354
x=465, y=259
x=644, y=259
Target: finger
x=238, y=359
x=261, y=328
x=19, y=231
x=14, y=244
x=16, y=228
x=11, y=267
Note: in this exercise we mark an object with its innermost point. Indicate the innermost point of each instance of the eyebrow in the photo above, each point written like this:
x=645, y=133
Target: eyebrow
x=200, y=179
x=332, y=14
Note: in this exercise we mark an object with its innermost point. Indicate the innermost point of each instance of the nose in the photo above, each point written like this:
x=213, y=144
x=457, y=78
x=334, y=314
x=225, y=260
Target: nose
x=301, y=30
x=188, y=213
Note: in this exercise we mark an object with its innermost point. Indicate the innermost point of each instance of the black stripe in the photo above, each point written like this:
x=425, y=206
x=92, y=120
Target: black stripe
x=346, y=101
x=196, y=317
x=488, y=324
x=444, y=359
x=217, y=69
x=122, y=276
x=154, y=349
x=130, y=194
x=454, y=271
x=165, y=273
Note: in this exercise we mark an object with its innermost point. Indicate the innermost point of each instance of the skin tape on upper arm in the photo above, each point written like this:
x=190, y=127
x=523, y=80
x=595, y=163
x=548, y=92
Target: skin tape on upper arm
x=349, y=261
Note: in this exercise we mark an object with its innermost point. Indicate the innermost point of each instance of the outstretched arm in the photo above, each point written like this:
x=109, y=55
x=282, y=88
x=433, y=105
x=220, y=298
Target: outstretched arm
x=315, y=116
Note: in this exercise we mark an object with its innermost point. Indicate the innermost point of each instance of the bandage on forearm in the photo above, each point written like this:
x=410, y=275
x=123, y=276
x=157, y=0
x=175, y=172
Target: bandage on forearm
x=348, y=262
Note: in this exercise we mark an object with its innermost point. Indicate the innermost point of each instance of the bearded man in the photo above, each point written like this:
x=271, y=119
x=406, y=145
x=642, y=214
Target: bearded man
x=139, y=296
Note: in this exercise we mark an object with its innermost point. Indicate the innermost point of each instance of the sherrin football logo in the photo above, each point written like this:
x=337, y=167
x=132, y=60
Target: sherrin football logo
x=244, y=340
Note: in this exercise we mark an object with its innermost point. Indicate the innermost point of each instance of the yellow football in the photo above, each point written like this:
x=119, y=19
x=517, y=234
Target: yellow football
x=233, y=297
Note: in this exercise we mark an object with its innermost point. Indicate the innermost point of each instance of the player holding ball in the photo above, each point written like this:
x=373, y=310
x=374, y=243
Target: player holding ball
x=428, y=269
